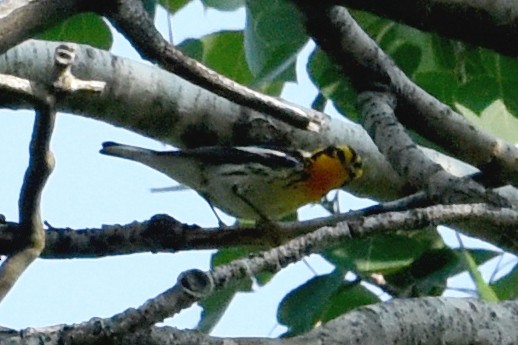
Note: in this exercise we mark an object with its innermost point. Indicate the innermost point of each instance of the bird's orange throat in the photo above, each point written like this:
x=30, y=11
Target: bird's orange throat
x=326, y=173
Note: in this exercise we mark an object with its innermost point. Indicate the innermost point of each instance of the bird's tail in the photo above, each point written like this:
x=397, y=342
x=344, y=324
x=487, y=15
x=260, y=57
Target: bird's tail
x=179, y=167
x=111, y=148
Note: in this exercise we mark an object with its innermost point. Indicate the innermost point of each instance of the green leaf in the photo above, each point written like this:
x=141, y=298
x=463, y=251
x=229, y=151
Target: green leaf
x=346, y=298
x=507, y=286
x=274, y=35
x=321, y=299
x=224, y=5
x=407, y=46
x=223, y=52
x=408, y=57
x=486, y=77
x=480, y=256
x=444, y=53
x=455, y=72
x=384, y=253
x=509, y=80
x=224, y=256
x=217, y=303
x=485, y=292
x=173, y=6
x=319, y=104
x=440, y=83
x=495, y=119
x=478, y=93
x=426, y=276
x=429, y=273
x=302, y=308
x=84, y=28
x=377, y=27
x=331, y=83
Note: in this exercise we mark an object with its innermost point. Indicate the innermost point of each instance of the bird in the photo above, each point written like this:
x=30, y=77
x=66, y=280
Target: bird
x=251, y=182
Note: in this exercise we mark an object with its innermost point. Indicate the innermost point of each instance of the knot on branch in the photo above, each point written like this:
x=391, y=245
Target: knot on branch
x=196, y=283
x=65, y=81
x=163, y=231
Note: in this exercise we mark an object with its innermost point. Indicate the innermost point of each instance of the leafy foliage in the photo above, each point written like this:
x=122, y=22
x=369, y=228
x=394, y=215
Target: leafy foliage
x=86, y=28
x=319, y=300
x=454, y=72
x=274, y=35
x=173, y=5
x=507, y=286
x=224, y=5
x=214, y=51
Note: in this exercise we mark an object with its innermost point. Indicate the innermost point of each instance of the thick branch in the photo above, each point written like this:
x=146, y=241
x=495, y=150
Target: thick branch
x=490, y=24
x=454, y=321
x=457, y=321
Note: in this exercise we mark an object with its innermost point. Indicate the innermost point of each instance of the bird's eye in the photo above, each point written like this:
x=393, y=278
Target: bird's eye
x=341, y=155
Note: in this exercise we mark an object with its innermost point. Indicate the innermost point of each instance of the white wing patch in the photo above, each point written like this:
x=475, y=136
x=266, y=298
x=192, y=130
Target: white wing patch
x=261, y=151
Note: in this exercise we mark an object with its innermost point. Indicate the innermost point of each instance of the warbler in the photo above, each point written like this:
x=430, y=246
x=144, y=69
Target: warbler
x=251, y=182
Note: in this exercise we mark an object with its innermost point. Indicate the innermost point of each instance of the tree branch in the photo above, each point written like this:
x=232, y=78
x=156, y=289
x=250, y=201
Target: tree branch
x=455, y=321
x=477, y=22
x=366, y=64
x=30, y=232
x=377, y=109
x=165, y=234
x=131, y=19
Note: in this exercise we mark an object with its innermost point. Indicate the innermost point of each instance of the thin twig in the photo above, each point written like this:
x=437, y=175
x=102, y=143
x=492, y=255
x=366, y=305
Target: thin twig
x=31, y=232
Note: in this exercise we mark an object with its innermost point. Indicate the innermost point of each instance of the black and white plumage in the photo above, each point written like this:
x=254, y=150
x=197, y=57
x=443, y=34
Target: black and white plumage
x=226, y=175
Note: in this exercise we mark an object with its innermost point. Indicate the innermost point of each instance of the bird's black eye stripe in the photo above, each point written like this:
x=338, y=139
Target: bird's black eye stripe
x=330, y=151
x=341, y=155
